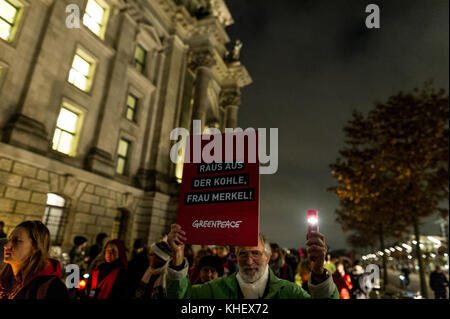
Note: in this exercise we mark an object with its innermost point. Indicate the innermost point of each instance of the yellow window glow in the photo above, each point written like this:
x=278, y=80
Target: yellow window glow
x=122, y=156
x=131, y=107
x=80, y=74
x=123, y=148
x=94, y=17
x=8, y=17
x=67, y=120
x=64, y=137
x=139, y=59
x=179, y=165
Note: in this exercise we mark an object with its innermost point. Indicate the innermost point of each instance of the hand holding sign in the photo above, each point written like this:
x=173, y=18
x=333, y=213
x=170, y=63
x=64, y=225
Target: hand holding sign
x=176, y=239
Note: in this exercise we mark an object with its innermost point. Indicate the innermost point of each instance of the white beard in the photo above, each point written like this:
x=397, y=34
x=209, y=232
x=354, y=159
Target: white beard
x=254, y=289
x=251, y=277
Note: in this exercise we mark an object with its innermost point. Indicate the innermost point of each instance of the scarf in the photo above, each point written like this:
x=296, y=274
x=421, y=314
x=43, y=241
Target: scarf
x=160, y=272
x=256, y=289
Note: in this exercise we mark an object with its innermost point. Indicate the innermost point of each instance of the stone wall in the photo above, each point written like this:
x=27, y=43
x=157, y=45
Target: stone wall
x=92, y=201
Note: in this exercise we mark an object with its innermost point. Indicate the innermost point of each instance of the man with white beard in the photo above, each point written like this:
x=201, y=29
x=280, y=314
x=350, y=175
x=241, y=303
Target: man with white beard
x=254, y=278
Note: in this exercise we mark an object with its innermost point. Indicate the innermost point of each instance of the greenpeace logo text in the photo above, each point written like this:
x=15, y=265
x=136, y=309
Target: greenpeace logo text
x=216, y=223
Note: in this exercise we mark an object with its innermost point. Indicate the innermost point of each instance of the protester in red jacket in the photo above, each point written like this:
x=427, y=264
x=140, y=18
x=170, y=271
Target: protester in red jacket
x=343, y=281
x=28, y=272
x=110, y=279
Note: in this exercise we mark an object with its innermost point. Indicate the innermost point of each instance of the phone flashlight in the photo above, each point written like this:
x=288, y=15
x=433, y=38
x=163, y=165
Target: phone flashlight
x=313, y=220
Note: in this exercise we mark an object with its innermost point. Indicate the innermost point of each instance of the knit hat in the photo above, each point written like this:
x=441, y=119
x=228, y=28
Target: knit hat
x=211, y=261
x=162, y=250
x=79, y=240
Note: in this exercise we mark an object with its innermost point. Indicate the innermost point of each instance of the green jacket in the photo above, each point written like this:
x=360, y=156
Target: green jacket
x=228, y=288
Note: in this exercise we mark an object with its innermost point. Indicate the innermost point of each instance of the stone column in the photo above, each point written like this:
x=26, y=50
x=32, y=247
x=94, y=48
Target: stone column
x=231, y=100
x=201, y=62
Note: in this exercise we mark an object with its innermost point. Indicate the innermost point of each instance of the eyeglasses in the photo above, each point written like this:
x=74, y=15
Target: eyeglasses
x=254, y=254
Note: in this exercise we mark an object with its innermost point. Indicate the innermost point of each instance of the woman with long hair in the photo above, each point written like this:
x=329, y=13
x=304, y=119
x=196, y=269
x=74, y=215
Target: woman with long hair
x=28, y=272
x=110, y=279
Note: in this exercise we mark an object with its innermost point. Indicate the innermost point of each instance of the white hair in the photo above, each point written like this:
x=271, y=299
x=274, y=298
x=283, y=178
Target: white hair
x=264, y=241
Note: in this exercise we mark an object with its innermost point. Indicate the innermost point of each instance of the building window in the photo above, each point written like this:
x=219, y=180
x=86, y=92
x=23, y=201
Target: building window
x=54, y=218
x=180, y=163
x=139, y=59
x=132, y=103
x=119, y=225
x=122, y=156
x=66, y=132
x=96, y=16
x=10, y=12
x=82, y=71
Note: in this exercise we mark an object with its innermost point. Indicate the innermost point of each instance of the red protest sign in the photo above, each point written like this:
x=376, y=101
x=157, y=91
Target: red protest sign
x=219, y=201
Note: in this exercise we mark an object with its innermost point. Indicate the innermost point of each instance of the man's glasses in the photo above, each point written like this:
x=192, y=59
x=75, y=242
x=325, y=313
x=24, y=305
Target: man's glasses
x=254, y=254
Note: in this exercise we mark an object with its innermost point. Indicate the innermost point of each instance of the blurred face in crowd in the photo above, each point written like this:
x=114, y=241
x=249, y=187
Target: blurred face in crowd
x=154, y=260
x=438, y=269
x=18, y=248
x=275, y=255
x=208, y=273
x=252, y=262
x=111, y=253
x=340, y=268
x=222, y=252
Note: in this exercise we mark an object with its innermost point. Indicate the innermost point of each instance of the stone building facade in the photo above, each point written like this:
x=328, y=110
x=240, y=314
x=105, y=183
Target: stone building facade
x=89, y=93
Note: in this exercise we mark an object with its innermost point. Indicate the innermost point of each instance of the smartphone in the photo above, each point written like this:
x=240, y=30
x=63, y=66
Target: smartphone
x=313, y=220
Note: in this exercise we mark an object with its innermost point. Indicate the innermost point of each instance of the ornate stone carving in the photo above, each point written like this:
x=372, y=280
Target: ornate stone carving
x=201, y=58
x=230, y=97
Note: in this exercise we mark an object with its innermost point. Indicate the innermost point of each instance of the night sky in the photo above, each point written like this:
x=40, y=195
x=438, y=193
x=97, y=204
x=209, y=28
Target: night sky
x=312, y=62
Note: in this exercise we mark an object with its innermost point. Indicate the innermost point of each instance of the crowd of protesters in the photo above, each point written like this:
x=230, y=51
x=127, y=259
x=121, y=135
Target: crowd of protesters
x=110, y=271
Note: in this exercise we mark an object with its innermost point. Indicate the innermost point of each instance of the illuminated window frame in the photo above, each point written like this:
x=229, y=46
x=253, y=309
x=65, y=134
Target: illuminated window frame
x=103, y=24
x=86, y=57
x=131, y=110
x=55, y=218
x=140, y=64
x=180, y=163
x=75, y=135
x=14, y=25
x=123, y=157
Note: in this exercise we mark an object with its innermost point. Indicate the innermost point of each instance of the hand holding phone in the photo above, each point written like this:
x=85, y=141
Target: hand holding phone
x=313, y=220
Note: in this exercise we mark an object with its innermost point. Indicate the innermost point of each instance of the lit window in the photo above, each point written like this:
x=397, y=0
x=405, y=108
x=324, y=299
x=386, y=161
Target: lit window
x=122, y=156
x=132, y=102
x=180, y=163
x=54, y=217
x=82, y=71
x=67, y=125
x=9, y=18
x=139, y=59
x=95, y=17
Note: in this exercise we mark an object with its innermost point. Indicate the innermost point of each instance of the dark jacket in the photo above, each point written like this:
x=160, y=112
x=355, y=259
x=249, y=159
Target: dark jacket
x=46, y=285
x=438, y=281
x=112, y=277
x=137, y=267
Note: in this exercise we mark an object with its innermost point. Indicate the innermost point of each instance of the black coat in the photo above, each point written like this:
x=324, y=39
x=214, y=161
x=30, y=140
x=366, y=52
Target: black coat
x=438, y=281
x=44, y=287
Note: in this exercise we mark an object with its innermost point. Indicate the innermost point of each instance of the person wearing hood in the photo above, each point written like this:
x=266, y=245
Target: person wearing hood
x=153, y=282
x=110, y=279
x=209, y=268
x=28, y=272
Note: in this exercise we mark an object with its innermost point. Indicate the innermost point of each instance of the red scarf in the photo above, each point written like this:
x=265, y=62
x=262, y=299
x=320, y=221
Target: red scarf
x=103, y=289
